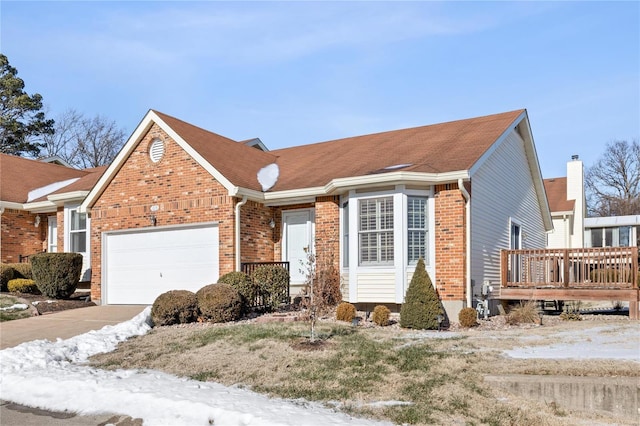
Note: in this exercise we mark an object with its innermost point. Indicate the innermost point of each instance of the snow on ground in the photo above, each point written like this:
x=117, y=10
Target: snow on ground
x=50, y=375
x=611, y=341
x=15, y=307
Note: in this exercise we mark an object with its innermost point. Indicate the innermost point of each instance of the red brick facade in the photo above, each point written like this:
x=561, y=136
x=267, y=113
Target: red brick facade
x=327, y=240
x=19, y=235
x=450, y=236
x=183, y=191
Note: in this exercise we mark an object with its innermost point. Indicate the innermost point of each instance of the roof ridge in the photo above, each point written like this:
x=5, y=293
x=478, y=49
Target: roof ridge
x=406, y=129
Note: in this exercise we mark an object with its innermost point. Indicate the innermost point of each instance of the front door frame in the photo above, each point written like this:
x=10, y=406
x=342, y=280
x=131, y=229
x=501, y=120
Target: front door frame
x=293, y=265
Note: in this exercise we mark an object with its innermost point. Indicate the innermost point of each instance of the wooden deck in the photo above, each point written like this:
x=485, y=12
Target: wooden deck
x=609, y=273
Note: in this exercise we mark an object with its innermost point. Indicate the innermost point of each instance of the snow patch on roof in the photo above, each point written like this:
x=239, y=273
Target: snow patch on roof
x=268, y=176
x=48, y=189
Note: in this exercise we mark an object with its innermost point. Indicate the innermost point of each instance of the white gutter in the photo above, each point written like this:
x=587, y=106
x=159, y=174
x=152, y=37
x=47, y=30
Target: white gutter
x=467, y=210
x=240, y=204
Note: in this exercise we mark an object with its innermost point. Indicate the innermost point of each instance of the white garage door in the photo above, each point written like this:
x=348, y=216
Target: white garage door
x=141, y=265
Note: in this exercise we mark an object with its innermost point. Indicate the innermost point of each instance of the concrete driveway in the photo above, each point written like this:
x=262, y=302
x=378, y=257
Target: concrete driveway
x=63, y=325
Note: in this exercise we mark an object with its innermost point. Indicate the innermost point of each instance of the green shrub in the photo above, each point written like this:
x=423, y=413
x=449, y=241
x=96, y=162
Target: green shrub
x=468, y=317
x=272, y=282
x=21, y=270
x=242, y=283
x=345, y=312
x=219, y=303
x=175, y=307
x=526, y=313
x=421, y=306
x=22, y=285
x=381, y=315
x=57, y=274
x=6, y=274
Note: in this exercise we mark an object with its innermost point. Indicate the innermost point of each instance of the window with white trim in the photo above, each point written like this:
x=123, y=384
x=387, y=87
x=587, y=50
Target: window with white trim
x=77, y=231
x=345, y=235
x=375, y=231
x=417, y=229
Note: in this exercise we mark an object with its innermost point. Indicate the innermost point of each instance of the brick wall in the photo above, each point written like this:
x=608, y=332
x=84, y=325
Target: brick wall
x=257, y=238
x=450, y=242
x=327, y=239
x=182, y=190
x=19, y=236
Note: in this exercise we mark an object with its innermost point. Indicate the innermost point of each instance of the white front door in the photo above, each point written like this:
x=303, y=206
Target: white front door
x=298, y=228
x=52, y=234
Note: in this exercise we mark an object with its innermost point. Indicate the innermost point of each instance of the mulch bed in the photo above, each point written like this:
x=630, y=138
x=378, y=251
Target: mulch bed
x=44, y=305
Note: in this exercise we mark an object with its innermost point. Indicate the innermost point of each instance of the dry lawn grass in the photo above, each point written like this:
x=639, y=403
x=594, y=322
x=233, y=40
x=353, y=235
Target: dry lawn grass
x=363, y=370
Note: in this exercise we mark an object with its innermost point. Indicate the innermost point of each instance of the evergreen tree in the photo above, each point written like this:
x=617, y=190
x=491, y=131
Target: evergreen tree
x=421, y=304
x=20, y=117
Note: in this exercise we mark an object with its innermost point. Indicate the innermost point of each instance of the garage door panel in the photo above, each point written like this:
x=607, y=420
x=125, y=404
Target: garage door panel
x=142, y=265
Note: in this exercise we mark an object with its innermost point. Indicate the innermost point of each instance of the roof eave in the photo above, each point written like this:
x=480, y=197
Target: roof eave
x=145, y=124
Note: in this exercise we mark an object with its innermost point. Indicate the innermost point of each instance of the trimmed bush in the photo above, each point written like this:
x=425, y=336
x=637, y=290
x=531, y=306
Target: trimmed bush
x=421, y=304
x=6, y=274
x=175, y=307
x=219, y=303
x=468, y=317
x=272, y=282
x=381, y=315
x=22, y=285
x=345, y=312
x=242, y=283
x=56, y=274
x=21, y=270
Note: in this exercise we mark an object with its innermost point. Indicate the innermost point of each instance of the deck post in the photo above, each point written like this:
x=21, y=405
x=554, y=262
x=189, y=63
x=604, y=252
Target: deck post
x=566, y=268
x=504, y=258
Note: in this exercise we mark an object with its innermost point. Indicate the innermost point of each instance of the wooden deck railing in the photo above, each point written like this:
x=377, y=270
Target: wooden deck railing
x=580, y=268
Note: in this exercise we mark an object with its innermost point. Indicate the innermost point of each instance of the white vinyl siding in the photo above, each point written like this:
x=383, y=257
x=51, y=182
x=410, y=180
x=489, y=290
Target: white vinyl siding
x=502, y=189
x=376, y=287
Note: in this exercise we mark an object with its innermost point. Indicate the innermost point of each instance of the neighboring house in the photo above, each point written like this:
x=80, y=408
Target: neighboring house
x=572, y=229
x=39, y=209
x=180, y=206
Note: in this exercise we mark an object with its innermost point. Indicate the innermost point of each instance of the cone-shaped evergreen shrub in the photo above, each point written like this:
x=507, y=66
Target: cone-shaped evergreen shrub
x=421, y=304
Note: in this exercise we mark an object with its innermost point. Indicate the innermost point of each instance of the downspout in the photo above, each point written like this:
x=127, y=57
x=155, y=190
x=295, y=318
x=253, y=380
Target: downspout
x=467, y=211
x=240, y=204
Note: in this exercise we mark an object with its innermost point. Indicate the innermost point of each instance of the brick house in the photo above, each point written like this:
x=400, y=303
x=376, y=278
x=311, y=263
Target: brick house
x=39, y=203
x=180, y=206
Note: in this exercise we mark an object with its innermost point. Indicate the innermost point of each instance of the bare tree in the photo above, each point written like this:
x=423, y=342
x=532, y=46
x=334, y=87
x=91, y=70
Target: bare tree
x=84, y=142
x=613, y=182
x=62, y=141
x=98, y=142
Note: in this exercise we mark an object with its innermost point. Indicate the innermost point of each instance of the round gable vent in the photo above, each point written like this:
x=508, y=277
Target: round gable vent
x=156, y=150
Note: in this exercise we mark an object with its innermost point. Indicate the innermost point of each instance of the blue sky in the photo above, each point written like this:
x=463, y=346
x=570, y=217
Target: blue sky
x=294, y=73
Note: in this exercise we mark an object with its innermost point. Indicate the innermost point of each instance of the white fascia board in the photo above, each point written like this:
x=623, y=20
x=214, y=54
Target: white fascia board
x=395, y=178
x=40, y=207
x=11, y=205
x=305, y=195
x=567, y=213
x=251, y=194
x=532, y=159
x=60, y=199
